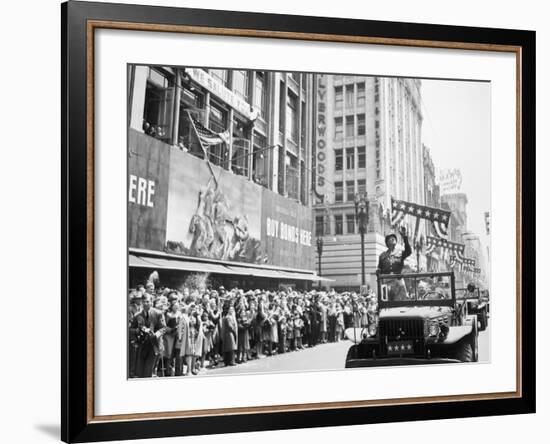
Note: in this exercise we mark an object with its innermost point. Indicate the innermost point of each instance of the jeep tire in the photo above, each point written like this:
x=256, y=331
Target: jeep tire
x=483, y=321
x=463, y=351
x=353, y=353
x=475, y=347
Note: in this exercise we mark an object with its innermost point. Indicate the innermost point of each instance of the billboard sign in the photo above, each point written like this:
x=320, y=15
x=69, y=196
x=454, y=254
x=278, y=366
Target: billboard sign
x=286, y=232
x=147, y=189
x=216, y=214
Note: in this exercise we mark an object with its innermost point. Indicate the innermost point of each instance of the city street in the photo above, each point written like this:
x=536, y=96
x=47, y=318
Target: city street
x=328, y=356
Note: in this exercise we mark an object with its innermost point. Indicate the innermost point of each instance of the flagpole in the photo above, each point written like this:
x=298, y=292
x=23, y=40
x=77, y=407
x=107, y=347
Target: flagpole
x=202, y=147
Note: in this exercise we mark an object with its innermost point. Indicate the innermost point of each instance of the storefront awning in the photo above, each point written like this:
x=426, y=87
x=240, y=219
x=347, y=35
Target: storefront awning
x=176, y=264
x=255, y=272
x=169, y=263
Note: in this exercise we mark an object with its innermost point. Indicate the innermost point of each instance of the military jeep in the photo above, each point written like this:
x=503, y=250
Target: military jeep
x=418, y=320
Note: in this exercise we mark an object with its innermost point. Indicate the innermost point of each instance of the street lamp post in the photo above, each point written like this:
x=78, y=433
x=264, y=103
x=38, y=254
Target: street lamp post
x=362, y=219
x=320, y=253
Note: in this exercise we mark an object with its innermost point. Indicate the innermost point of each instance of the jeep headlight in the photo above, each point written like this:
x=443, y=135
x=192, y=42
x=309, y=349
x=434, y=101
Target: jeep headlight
x=372, y=330
x=433, y=328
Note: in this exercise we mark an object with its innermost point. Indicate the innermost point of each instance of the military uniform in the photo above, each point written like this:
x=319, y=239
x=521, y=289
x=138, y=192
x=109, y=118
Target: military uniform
x=392, y=262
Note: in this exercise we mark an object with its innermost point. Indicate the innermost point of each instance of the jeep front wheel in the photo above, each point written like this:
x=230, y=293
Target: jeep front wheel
x=353, y=353
x=463, y=351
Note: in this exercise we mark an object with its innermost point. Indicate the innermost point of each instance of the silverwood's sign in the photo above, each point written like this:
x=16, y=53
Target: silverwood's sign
x=321, y=134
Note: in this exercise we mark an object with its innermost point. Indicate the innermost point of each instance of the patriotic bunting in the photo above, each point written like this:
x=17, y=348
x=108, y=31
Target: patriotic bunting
x=452, y=261
x=453, y=247
x=439, y=218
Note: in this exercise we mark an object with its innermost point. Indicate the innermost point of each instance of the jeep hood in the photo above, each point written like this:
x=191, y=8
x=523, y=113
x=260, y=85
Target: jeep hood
x=414, y=312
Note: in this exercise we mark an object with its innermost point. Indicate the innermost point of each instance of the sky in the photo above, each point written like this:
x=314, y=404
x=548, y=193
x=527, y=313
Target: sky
x=457, y=130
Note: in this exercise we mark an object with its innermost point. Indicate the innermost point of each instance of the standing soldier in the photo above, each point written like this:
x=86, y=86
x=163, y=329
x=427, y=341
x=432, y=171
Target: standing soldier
x=392, y=260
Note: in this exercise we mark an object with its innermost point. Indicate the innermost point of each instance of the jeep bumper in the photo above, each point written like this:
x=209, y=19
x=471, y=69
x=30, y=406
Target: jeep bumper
x=381, y=362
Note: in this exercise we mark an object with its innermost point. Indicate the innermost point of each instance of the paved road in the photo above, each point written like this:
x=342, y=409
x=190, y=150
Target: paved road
x=322, y=357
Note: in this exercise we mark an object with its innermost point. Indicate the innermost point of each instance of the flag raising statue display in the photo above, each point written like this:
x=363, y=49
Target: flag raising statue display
x=439, y=218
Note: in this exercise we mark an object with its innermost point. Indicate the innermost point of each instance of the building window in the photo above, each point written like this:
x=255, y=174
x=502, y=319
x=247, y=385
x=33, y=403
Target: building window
x=338, y=97
x=240, y=83
x=222, y=75
x=292, y=117
x=338, y=191
x=350, y=190
x=349, y=126
x=218, y=119
x=239, y=160
x=338, y=130
x=350, y=158
x=338, y=226
x=292, y=177
x=192, y=98
x=260, y=161
x=378, y=177
x=303, y=128
x=282, y=107
x=349, y=96
x=361, y=186
x=241, y=148
x=157, y=112
x=338, y=160
x=319, y=225
x=361, y=157
x=350, y=223
x=360, y=124
x=361, y=94
x=260, y=94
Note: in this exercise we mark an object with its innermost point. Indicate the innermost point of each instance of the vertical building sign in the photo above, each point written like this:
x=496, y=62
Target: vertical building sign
x=321, y=135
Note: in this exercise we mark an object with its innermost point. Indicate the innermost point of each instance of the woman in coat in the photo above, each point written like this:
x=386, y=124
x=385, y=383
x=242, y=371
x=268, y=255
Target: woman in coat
x=194, y=342
x=170, y=338
x=243, y=324
x=229, y=336
x=182, y=339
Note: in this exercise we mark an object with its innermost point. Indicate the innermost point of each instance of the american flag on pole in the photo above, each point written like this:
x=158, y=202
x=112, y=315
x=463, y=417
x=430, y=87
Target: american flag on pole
x=439, y=218
x=209, y=137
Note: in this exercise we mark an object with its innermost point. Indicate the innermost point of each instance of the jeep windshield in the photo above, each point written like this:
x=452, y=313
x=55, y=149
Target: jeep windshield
x=416, y=289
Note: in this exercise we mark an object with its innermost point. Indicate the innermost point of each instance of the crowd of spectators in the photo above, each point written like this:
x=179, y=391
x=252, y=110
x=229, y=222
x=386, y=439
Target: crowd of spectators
x=182, y=332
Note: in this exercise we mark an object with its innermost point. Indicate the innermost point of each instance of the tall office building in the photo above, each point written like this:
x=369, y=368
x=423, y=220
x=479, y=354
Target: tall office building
x=367, y=138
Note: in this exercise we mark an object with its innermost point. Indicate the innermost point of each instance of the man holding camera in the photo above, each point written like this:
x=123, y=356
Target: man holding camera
x=151, y=325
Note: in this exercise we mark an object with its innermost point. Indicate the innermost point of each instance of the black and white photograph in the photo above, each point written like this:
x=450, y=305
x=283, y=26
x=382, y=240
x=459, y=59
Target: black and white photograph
x=298, y=221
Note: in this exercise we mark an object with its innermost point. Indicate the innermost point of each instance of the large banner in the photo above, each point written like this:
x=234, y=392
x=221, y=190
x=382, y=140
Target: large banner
x=215, y=214
x=286, y=231
x=148, y=165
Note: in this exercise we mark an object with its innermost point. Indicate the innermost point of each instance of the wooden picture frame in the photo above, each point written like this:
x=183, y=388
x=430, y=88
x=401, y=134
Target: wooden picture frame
x=80, y=20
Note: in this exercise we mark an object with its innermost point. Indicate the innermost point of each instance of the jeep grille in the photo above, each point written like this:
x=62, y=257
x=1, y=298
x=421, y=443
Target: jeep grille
x=393, y=329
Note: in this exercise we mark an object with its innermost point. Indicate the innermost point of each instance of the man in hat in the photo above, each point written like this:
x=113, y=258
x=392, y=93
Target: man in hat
x=392, y=260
